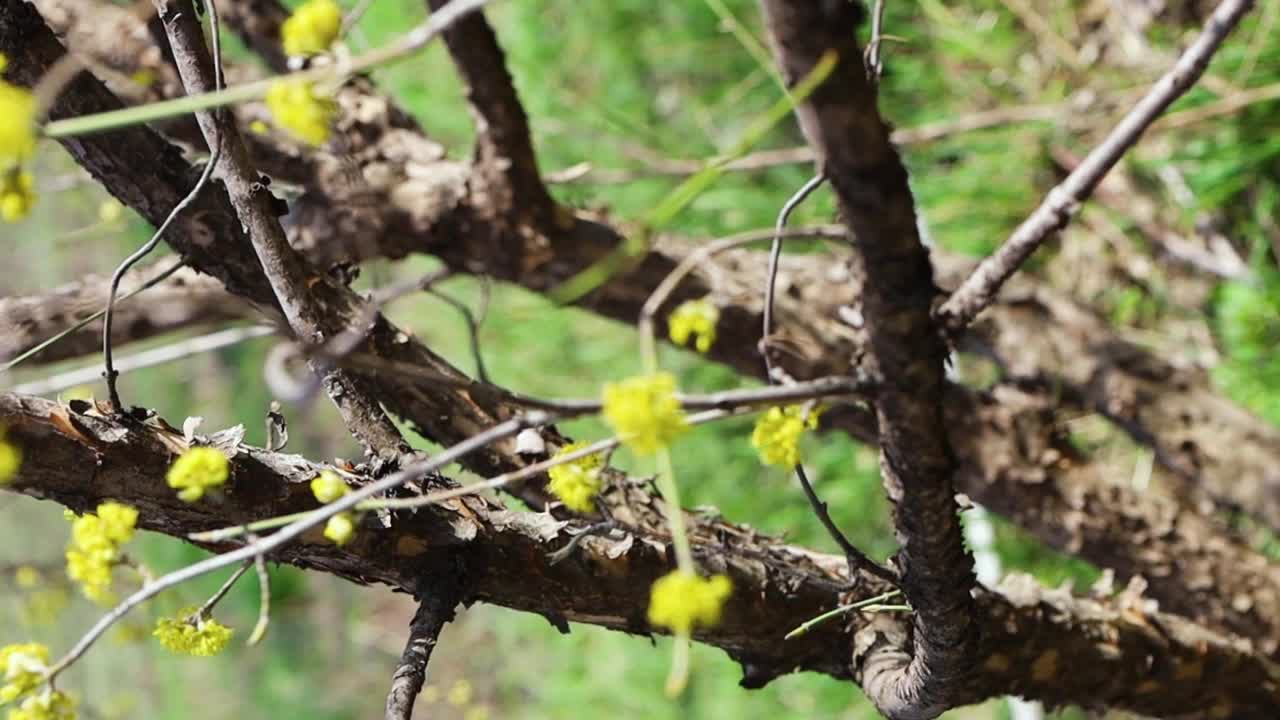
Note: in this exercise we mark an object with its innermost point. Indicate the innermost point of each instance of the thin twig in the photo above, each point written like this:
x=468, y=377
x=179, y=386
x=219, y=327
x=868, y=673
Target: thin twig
x=775, y=252
x=473, y=331
x=264, y=600
x=147, y=358
x=215, y=149
x=1063, y=201
x=216, y=598
x=874, y=65
x=827, y=387
x=853, y=556
x=439, y=496
x=287, y=533
x=705, y=252
x=82, y=323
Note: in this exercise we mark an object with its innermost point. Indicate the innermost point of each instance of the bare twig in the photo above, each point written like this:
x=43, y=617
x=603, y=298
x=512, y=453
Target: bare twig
x=215, y=150
x=775, y=252
x=147, y=358
x=434, y=610
x=264, y=600
x=216, y=598
x=1063, y=201
x=696, y=258
x=473, y=331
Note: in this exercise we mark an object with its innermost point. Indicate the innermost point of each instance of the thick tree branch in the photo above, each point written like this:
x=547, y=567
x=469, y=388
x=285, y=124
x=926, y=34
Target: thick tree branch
x=921, y=677
x=1063, y=201
x=504, y=173
x=1038, y=643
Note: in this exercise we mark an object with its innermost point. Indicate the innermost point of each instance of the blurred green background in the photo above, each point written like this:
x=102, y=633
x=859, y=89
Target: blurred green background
x=619, y=84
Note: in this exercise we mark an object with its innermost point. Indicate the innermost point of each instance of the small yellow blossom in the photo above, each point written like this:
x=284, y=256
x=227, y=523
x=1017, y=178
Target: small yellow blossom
x=110, y=210
x=340, y=528
x=682, y=600
x=188, y=635
x=259, y=127
x=95, y=548
x=197, y=470
x=22, y=669
x=312, y=28
x=697, y=319
x=10, y=460
x=17, y=194
x=460, y=693
x=297, y=107
x=48, y=705
x=146, y=77
x=17, y=124
x=27, y=577
x=576, y=482
x=328, y=486
x=644, y=412
x=118, y=521
x=776, y=436
x=44, y=606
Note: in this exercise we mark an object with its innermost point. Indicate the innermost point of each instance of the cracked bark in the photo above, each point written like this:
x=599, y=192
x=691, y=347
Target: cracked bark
x=1038, y=643
x=912, y=677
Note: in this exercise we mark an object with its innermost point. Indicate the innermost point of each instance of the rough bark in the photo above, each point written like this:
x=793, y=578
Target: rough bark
x=913, y=678
x=1041, y=644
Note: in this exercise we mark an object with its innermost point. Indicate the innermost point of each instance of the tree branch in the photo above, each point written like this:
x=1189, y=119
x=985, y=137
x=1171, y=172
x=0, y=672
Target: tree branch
x=1120, y=654
x=920, y=678
x=1063, y=201
x=435, y=610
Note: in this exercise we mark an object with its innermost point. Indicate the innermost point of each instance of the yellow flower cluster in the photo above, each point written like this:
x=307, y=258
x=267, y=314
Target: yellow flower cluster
x=681, y=601
x=22, y=668
x=697, y=319
x=17, y=125
x=297, y=107
x=328, y=486
x=49, y=705
x=776, y=436
x=340, y=528
x=197, y=470
x=644, y=412
x=17, y=194
x=312, y=28
x=187, y=634
x=95, y=548
x=577, y=482
x=10, y=459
